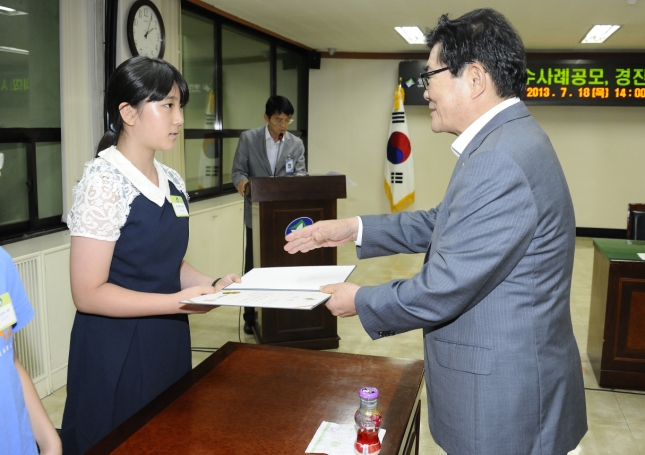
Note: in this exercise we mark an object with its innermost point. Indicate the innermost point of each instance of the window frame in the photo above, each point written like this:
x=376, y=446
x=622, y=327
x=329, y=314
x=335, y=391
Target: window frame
x=30, y=137
x=218, y=133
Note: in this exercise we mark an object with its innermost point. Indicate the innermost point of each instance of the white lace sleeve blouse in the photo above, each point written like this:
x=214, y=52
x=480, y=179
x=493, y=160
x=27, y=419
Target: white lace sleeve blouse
x=109, y=185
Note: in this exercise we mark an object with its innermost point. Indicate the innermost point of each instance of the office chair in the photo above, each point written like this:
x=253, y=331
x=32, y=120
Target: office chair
x=635, y=221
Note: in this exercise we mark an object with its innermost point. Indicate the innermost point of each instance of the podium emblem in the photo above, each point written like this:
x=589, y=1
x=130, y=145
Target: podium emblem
x=298, y=224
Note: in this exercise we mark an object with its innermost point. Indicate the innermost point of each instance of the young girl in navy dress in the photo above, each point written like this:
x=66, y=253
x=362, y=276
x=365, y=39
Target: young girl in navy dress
x=129, y=225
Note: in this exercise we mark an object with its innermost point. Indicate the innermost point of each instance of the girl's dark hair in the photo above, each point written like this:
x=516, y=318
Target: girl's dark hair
x=483, y=36
x=135, y=81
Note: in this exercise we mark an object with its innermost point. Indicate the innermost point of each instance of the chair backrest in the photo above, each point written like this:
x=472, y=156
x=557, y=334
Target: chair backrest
x=635, y=221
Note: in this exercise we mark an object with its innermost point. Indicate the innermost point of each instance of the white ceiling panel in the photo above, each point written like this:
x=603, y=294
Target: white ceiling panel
x=368, y=25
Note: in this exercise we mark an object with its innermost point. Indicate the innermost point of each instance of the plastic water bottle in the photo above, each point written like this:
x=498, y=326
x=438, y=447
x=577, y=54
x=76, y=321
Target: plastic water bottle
x=368, y=422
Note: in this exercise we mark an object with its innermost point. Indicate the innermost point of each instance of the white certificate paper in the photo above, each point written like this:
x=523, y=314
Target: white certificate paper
x=289, y=288
x=306, y=278
x=287, y=300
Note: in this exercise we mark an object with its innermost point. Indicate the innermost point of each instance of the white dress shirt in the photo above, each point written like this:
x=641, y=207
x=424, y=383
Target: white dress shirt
x=462, y=141
x=273, y=148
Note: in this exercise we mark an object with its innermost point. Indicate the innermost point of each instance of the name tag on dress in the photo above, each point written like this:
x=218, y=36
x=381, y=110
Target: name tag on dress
x=179, y=206
x=7, y=313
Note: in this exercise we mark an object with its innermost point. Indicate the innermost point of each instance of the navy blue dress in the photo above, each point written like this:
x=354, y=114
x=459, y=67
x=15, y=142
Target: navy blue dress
x=117, y=365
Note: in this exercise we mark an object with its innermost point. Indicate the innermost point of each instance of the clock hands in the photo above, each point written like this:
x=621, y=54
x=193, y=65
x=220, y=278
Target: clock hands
x=148, y=30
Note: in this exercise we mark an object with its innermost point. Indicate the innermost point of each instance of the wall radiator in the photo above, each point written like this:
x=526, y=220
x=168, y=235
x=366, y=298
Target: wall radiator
x=31, y=342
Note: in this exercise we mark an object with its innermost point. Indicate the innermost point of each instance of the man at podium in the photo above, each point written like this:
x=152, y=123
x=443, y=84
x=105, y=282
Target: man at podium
x=267, y=151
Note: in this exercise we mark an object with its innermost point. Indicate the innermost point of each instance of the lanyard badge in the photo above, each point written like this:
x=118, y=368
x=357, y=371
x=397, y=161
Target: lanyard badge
x=7, y=313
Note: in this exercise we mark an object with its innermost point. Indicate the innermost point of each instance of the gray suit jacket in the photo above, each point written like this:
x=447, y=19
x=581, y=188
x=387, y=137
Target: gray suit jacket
x=503, y=370
x=251, y=160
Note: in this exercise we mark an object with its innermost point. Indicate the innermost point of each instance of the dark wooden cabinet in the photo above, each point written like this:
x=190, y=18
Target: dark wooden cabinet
x=277, y=201
x=616, y=339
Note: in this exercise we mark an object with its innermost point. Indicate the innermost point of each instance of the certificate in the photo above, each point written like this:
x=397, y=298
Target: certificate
x=287, y=300
x=307, y=278
x=289, y=288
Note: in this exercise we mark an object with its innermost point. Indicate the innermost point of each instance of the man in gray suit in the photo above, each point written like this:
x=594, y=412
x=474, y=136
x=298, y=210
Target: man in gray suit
x=267, y=151
x=503, y=370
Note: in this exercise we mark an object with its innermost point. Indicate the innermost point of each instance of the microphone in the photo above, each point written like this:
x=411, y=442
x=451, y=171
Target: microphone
x=280, y=136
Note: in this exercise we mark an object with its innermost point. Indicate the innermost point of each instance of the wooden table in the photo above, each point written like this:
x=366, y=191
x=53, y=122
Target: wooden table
x=616, y=339
x=253, y=399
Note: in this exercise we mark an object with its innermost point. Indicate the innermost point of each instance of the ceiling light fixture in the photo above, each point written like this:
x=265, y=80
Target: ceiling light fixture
x=10, y=11
x=599, y=33
x=412, y=35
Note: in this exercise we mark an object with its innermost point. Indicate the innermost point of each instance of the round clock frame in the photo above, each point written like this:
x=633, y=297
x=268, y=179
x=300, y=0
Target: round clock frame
x=132, y=15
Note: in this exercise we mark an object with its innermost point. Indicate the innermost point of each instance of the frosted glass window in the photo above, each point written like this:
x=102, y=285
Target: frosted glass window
x=49, y=169
x=246, y=79
x=13, y=184
x=202, y=164
x=228, y=153
x=30, y=65
x=231, y=71
x=291, y=80
x=198, y=54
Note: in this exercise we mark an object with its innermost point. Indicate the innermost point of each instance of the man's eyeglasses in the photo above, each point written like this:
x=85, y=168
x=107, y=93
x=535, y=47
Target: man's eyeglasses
x=425, y=77
x=281, y=121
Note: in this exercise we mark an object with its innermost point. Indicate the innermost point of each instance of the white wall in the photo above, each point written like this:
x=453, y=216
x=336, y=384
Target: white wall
x=602, y=149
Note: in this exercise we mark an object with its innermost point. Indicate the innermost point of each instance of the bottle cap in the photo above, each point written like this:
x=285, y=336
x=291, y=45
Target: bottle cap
x=368, y=393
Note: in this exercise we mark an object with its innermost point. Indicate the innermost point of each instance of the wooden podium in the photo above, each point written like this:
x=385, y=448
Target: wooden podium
x=276, y=202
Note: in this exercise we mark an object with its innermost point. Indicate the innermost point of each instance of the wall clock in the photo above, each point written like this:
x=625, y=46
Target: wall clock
x=146, y=33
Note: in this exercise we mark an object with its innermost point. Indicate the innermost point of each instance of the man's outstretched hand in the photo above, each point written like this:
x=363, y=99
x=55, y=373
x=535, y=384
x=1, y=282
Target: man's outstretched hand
x=322, y=233
x=343, y=299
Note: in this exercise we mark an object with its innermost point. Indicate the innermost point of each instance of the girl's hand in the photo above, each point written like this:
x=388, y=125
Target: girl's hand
x=225, y=281
x=192, y=292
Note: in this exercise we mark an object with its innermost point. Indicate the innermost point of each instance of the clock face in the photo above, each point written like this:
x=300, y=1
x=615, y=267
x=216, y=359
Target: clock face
x=146, y=34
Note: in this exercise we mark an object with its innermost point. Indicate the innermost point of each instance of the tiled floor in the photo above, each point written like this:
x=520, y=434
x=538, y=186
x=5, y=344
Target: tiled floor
x=616, y=418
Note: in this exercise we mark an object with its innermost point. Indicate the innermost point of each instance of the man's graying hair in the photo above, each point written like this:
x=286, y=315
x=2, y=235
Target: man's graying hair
x=486, y=37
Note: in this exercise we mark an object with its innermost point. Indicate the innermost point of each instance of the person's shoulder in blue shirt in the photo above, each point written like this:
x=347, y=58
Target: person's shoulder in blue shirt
x=23, y=420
